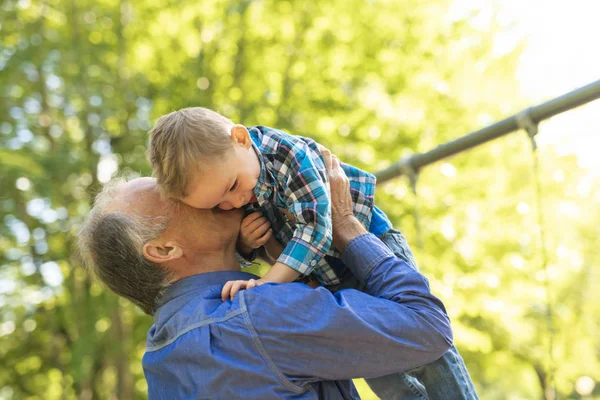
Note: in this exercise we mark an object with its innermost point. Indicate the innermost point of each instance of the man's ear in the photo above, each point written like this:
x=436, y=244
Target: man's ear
x=159, y=252
x=240, y=135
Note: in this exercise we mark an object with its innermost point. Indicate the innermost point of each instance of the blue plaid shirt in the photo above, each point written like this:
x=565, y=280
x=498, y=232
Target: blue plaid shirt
x=293, y=194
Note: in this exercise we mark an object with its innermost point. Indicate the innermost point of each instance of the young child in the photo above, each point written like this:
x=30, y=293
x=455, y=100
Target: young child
x=205, y=160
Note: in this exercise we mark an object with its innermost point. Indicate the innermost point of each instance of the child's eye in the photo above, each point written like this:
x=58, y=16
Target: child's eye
x=235, y=185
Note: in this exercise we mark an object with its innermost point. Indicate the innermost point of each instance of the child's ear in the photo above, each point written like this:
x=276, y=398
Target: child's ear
x=240, y=135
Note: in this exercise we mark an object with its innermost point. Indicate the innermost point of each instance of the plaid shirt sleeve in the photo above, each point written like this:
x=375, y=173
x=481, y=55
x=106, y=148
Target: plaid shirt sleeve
x=306, y=186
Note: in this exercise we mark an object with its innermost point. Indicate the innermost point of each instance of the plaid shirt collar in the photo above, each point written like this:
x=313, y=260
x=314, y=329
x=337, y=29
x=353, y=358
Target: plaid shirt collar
x=266, y=181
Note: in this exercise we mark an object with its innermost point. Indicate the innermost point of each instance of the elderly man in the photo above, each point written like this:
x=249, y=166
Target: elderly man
x=172, y=261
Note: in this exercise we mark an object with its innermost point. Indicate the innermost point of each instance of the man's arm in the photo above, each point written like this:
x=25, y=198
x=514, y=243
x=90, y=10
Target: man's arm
x=310, y=334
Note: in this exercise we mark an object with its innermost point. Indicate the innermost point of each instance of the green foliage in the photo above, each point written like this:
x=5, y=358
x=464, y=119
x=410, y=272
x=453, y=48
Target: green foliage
x=81, y=83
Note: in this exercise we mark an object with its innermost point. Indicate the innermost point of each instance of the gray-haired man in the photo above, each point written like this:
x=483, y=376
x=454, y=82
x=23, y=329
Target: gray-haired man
x=172, y=261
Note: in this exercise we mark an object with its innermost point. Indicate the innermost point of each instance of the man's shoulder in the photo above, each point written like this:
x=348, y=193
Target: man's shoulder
x=282, y=302
x=182, y=315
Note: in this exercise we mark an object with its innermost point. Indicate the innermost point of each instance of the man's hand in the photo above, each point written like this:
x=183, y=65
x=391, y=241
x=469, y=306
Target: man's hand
x=341, y=202
x=231, y=288
x=345, y=225
x=254, y=232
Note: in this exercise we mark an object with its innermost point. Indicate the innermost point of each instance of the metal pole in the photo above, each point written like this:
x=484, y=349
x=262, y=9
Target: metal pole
x=536, y=114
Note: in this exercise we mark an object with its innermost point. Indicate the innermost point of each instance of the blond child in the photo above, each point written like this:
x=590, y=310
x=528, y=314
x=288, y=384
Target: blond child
x=206, y=161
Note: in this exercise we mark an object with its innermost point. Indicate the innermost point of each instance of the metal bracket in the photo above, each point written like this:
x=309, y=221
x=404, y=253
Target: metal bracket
x=412, y=174
x=525, y=122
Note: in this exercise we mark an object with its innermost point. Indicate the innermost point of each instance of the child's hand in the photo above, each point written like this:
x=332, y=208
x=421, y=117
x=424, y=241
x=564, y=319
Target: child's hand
x=255, y=231
x=231, y=288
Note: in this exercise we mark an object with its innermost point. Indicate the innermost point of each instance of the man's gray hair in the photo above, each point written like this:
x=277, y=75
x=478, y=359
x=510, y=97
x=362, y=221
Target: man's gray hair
x=111, y=247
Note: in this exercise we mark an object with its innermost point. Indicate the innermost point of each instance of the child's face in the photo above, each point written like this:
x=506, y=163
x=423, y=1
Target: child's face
x=228, y=183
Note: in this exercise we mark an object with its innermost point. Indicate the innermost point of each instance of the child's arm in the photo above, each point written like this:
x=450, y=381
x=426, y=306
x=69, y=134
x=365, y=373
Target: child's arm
x=280, y=273
x=271, y=251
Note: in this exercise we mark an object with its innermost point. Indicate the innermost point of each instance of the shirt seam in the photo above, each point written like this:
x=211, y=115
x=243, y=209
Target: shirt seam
x=195, y=326
x=263, y=352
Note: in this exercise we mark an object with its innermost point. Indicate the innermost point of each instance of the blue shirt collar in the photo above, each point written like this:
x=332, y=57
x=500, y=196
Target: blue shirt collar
x=200, y=281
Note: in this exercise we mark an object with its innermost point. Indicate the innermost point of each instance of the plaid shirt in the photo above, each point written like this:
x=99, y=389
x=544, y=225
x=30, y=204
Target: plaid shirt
x=293, y=194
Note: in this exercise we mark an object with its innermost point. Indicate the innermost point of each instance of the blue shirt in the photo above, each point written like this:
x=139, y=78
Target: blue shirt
x=289, y=341
x=293, y=194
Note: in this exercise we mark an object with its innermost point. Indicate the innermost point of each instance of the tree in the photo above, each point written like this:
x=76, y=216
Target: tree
x=82, y=82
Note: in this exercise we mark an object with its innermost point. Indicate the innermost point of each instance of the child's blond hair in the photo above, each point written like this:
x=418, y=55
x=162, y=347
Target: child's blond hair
x=181, y=142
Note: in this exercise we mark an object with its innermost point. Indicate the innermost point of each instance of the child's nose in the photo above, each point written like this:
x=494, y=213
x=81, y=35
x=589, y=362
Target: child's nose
x=240, y=201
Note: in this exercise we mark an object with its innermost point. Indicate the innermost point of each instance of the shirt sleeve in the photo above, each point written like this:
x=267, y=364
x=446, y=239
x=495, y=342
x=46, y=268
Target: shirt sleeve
x=307, y=199
x=311, y=334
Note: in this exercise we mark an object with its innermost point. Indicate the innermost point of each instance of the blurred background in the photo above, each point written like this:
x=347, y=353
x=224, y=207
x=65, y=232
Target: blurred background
x=81, y=83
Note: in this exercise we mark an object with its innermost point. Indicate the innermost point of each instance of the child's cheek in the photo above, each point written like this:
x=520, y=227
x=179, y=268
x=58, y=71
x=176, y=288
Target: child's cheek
x=250, y=184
